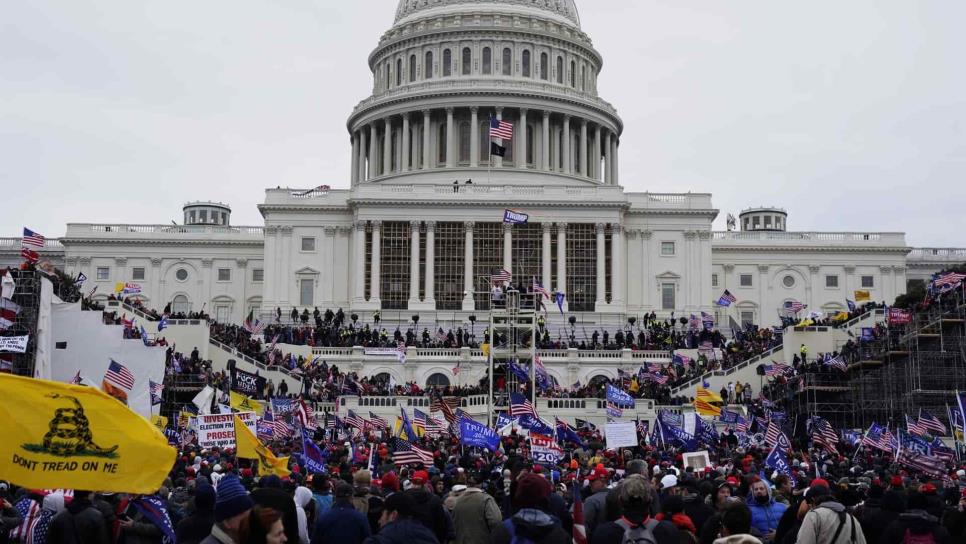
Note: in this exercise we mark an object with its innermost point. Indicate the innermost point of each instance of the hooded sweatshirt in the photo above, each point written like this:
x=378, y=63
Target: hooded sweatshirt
x=535, y=525
x=302, y=497
x=821, y=524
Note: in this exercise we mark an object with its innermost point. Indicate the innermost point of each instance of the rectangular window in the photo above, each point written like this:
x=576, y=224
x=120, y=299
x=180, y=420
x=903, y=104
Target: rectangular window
x=667, y=296
x=747, y=318
x=308, y=243
x=103, y=273
x=667, y=248
x=767, y=221
x=221, y=313
x=831, y=282
x=714, y=280
x=137, y=273
x=224, y=274
x=868, y=281
x=745, y=280
x=258, y=275
x=307, y=292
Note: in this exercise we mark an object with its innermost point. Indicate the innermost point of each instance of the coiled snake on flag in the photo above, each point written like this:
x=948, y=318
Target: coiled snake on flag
x=70, y=432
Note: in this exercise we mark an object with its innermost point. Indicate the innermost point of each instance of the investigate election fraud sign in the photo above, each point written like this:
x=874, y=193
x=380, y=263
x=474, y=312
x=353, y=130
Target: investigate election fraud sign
x=218, y=430
x=57, y=435
x=620, y=435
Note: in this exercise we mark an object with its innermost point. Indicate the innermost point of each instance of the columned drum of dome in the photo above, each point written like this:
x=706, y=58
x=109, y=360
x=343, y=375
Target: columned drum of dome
x=446, y=67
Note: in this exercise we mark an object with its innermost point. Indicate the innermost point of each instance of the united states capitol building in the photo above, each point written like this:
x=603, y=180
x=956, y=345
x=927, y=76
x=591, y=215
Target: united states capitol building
x=416, y=226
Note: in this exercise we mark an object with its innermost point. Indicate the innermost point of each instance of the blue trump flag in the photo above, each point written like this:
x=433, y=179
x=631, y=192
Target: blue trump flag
x=559, y=299
x=535, y=424
x=154, y=510
x=619, y=397
x=312, y=455
x=567, y=434
x=478, y=435
x=778, y=460
x=502, y=420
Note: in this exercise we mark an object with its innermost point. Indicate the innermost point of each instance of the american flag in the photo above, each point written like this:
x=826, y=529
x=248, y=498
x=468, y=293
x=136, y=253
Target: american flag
x=741, y=425
x=931, y=423
x=929, y=465
x=32, y=239
x=656, y=378
x=774, y=369
x=353, y=420
x=118, y=375
x=835, y=362
x=280, y=429
x=29, y=255
x=727, y=299
x=878, y=438
x=951, y=278
x=824, y=435
x=772, y=434
x=434, y=427
x=653, y=367
x=439, y=404
x=378, y=422
x=156, y=389
x=305, y=415
x=915, y=427
x=501, y=276
x=33, y=528
x=540, y=289
x=793, y=306
x=404, y=453
x=521, y=405
x=419, y=421
x=580, y=530
x=500, y=129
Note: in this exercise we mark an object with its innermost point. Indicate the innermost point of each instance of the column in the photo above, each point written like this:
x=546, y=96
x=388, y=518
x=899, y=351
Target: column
x=358, y=274
x=373, y=150
x=545, y=145
x=596, y=154
x=616, y=265
x=568, y=165
x=555, y=148
x=387, y=148
x=601, y=268
x=354, y=162
x=583, y=147
x=497, y=160
x=608, y=162
x=450, y=142
x=546, y=256
x=375, y=287
x=521, y=138
x=474, y=137
x=328, y=273
x=405, y=153
x=562, y=260
x=812, y=290
x=648, y=282
x=426, y=131
x=431, y=264
x=468, y=301
x=361, y=163
x=414, y=264
x=763, y=301
x=614, y=162
x=508, y=247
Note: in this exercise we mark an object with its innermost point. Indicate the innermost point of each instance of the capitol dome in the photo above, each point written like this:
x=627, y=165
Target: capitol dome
x=564, y=9
x=446, y=68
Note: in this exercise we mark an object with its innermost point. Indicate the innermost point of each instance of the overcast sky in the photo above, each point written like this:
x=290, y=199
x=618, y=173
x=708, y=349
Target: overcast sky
x=851, y=115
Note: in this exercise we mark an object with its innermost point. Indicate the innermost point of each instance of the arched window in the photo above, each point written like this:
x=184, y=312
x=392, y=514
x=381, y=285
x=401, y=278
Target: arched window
x=441, y=144
x=412, y=68
x=428, y=67
x=560, y=73
x=573, y=74
x=598, y=382
x=507, y=61
x=467, y=61
x=543, y=66
x=447, y=62
x=437, y=380
x=464, y=132
x=382, y=378
x=526, y=63
x=399, y=72
x=487, y=61
x=180, y=305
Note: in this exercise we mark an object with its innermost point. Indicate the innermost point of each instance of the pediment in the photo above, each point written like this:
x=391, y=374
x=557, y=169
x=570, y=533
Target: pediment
x=307, y=271
x=668, y=275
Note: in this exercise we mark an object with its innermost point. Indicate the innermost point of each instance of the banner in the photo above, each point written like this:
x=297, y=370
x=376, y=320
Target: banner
x=479, y=435
x=247, y=383
x=69, y=436
x=619, y=397
x=218, y=431
x=620, y=435
x=544, y=450
x=863, y=296
x=160, y=422
x=282, y=406
x=127, y=288
x=15, y=344
x=245, y=404
x=250, y=448
x=515, y=218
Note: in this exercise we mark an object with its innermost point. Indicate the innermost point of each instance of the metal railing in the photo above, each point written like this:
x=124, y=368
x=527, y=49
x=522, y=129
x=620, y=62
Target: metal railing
x=729, y=371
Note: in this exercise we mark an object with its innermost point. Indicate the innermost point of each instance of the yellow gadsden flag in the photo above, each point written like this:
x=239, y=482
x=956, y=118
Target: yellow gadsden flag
x=249, y=447
x=243, y=403
x=57, y=435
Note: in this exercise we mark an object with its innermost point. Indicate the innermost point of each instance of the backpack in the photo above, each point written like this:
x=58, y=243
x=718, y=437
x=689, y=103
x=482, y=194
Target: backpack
x=927, y=538
x=641, y=534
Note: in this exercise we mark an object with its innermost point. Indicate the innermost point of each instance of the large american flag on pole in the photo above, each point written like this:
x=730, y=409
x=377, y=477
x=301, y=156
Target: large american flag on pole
x=500, y=129
x=32, y=239
x=119, y=376
x=404, y=453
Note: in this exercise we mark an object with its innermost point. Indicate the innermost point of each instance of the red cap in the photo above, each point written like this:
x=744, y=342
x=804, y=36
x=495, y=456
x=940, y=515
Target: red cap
x=599, y=473
x=819, y=481
x=420, y=477
x=732, y=480
x=896, y=481
x=928, y=489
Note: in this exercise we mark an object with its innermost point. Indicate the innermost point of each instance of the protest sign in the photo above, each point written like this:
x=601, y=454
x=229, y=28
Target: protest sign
x=247, y=383
x=15, y=344
x=620, y=435
x=218, y=430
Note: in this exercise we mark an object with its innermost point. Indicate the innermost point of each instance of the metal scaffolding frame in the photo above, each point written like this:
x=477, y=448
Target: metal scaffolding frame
x=26, y=295
x=512, y=330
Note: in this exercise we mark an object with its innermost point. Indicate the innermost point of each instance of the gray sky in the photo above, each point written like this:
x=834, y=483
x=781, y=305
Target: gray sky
x=851, y=115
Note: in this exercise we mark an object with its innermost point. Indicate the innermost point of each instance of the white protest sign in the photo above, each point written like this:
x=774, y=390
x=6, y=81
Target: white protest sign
x=16, y=344
x=218, y=430
x=620, y=435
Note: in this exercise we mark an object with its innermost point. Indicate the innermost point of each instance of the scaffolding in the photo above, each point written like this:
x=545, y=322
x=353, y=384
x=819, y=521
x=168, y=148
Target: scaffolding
x=27, y=296
x=512, y=331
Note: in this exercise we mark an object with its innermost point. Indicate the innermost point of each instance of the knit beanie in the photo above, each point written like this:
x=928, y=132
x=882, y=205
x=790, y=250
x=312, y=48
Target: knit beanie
x=231, y=499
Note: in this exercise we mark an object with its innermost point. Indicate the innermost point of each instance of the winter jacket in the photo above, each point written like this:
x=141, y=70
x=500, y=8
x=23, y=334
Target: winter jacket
x=765, y=517
x=80, y=523
x=428, y=510
x=343, y=524
x=595, y=511
x=194, y=528
x=475, y=516
x=535, y=525
x=280, y=500
x=917, y=522
x=822, y=523
x=10, y=519
x=141, y=531
x=873, y=519
x=403, y=531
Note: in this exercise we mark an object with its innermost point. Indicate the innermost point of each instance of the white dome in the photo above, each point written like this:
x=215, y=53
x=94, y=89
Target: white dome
x=565, y=9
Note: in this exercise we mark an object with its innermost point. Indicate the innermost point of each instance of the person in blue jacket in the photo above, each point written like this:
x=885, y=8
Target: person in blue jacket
x=765, y=512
